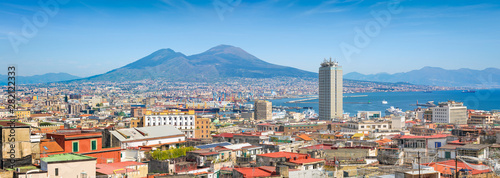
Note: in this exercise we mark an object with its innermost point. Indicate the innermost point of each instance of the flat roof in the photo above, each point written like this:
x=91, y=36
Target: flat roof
x=7, y=123
x=473, y=146
x=66, y=157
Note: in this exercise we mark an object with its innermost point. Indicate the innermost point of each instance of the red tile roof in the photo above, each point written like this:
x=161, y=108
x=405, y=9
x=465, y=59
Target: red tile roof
x=225, y=135
x=304, y=137
x=253, y=172
x=445, y=167
x=308, y=160
x=425, y=137
x=50, y=147
x=283, y=154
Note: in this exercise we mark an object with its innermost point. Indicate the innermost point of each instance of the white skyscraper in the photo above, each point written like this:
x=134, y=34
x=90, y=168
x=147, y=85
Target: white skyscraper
x=330, y=90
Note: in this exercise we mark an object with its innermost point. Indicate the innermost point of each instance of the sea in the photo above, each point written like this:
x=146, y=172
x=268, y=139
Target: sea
x=488, y=99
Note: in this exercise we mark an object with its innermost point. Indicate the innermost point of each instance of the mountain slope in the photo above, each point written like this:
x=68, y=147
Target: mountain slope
x=45, y=78
x=219, y=62
x=436, y=76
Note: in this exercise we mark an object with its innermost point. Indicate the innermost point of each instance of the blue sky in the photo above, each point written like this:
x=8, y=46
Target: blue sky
x=85, y=38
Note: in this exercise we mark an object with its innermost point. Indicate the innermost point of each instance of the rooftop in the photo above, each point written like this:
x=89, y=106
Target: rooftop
x=445, y=167
x=119, y=167
x=50, y=147
x=7, y=123
x=213, y=145
x=473, y=147
x=283, y=155
x=253, y=172
x=66, y=157
x=146, y=132
x=305, y=161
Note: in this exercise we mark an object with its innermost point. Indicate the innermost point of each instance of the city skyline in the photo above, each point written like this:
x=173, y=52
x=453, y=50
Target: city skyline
x=93, y=38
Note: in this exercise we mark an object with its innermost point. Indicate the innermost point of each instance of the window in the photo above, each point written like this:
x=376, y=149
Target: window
x=57, y=171
x=93, y=144
x=76, y=147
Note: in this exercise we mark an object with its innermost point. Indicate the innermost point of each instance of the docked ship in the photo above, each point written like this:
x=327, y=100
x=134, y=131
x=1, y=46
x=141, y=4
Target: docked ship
x=310, y=114
x=468, y=91
x=279, y=114
x=396, y=111
x=428, y=104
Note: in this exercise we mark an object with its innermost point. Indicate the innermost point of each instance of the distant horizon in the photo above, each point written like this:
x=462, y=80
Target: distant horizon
x=277, y=64
x=369, y=37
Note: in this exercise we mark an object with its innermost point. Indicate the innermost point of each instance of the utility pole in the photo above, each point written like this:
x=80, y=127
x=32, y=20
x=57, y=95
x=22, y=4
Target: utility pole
x=456, y=164
x=418, y=157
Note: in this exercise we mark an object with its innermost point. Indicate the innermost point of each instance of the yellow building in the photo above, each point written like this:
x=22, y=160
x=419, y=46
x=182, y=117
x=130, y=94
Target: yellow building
x=22, y=113
x=203, y=128
x=136, y=123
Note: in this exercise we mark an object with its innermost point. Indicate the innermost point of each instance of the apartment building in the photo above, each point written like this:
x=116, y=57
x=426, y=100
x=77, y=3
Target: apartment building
x=263, y=110
x=184, y=121
x=366, y=126
x=449, y=112
x=202, y=128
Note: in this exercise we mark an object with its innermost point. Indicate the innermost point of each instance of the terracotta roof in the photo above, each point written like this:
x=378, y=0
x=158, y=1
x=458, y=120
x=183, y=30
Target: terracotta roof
x=270, y=169
x=225, y=135
x=445, y=167
x=308, y=160
x=304, y=137
x=282, y=154
x=252, y=172
x=424, y=137
x=50, y=147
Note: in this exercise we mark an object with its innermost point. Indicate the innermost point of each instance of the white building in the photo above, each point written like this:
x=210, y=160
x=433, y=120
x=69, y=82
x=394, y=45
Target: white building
x=449, y=112
x=366, y=127
x=147, y=136
x=183, y=121
x=398, y=122
x=368, y=114
x=5, y=113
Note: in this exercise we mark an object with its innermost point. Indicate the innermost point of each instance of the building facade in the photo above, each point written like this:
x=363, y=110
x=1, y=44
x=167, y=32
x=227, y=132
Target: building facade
x=154, y=136
x=84, y=143
x=330, y=91
x=480, y=119
x=184, y=121
x=263, y=110
x=202, y=128
x=450, y=112
x=16, y=144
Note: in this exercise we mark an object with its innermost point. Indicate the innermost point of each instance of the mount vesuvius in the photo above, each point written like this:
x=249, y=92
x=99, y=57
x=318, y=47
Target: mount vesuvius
x=223, y=61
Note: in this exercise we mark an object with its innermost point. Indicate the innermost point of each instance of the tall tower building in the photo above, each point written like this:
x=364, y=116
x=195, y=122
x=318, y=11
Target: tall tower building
x=263, y=110
x=330, y=90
